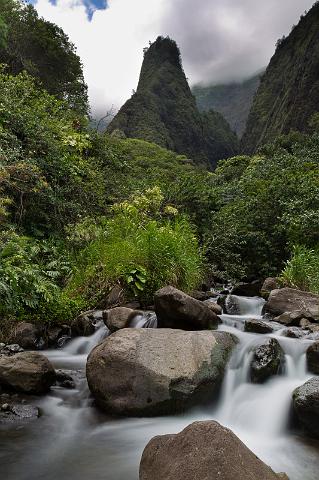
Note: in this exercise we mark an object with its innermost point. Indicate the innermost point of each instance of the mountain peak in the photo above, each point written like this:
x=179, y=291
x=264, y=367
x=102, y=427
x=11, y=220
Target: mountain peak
x=164, y=111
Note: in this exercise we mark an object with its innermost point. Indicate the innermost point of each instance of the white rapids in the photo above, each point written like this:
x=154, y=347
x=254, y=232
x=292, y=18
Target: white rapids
x=73, y=441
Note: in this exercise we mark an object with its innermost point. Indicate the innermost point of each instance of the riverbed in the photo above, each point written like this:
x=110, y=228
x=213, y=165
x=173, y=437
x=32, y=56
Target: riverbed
x=72, y=440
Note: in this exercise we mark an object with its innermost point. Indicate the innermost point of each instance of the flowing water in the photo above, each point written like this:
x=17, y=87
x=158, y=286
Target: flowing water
x=74, y=441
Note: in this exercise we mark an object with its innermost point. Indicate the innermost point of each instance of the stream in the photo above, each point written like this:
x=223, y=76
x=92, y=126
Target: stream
x=74, y=441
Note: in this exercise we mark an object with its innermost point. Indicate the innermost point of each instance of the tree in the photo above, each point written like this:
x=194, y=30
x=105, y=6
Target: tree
x=41, y=48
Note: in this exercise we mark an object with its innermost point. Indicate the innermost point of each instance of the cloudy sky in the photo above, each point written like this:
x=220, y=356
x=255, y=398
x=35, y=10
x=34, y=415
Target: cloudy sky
x=220, y=40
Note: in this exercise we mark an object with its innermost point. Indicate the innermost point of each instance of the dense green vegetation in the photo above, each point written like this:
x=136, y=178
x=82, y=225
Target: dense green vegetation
x=232, y=100
x=82, y=212
x=32, y=44
x=143, y=246
x=59, y=187
x=266, y=204
x=163, y=110
x=288, y=95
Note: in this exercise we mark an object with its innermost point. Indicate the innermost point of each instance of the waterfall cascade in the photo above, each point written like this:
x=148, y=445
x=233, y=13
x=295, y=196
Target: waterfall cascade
x=73, y=441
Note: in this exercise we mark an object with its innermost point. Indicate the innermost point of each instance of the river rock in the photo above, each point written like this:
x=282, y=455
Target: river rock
x=27, y=372
x=115, y=298
x=56, y=333
x=26, y=335
x=64, y=379
x=290, y=300
x=11, y=349
x=157, y=371
x=175, y=309
x=294, y=332
x=306, y=405
x=12, y=413
x=247, y=289
x=118, y=318
x=295, y=318
x=85, y=324
x=214, y=306
x=313, y=358
x=232, y=305
x=267, y=361
x=271, y=283
x=203, y=451
x=202, y=295
x=257, y=326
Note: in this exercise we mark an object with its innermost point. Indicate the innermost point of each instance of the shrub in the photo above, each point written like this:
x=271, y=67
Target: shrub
x=144, y=246
x=31, y=274
x=302, y=270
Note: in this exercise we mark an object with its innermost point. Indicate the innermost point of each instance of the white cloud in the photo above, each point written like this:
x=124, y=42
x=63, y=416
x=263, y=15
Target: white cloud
x=220, y=40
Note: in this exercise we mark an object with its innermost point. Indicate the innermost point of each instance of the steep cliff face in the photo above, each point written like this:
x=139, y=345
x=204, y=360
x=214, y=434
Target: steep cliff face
x=164, y=111
x=288, y=95
x=232, y=100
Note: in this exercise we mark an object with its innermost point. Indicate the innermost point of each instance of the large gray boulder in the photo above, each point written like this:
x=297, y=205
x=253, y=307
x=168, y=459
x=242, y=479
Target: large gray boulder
x=203, y=451
x=267, y=361
x=290, y=300
x=306, y=405
x=175, y=309
x=118, y=318
x=27, y=372
x=157, y=371
x=313, y=358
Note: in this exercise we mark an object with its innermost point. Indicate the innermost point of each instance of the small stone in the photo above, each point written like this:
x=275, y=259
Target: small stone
x=304, y=323
x=257, y=326
x=294, y=332
x=5, y=407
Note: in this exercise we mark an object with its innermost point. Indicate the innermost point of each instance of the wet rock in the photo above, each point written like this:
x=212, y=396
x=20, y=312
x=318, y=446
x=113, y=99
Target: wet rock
x=306, y=405
x=11, y=413
x=294, y=332
x=202, y=295
x=64, y=380
x=114, y=299
x=214, y=306
x=292, y=318
x=313, y=358
x=157, y=371
x=26, y=335
x=11, y=349
x=313, y=328
x=304, y=323
x=267, y=361
x=55, y=333
x=203, y=450
x=271, y=283
x=27, y=372
x=85, y=324
x=290, y=300
x=257, y=326
x=119, y=317
x=175, y=309
x=247, y=289
x=221, y=301
x=232, y=305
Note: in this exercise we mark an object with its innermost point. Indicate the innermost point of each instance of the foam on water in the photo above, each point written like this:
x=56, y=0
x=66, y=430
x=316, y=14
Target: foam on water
x=73, y=441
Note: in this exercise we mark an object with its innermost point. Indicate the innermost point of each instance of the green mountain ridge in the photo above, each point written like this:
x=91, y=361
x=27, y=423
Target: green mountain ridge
x=164, y=111
x=288, y=95
x=232, y=100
